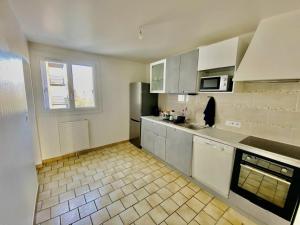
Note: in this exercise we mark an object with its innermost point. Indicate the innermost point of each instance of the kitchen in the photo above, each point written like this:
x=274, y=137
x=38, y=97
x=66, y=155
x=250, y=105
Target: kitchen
x=106, y=125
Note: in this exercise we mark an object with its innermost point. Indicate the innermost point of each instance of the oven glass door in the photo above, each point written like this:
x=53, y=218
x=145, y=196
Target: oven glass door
x=210, y=83
x=267, y=186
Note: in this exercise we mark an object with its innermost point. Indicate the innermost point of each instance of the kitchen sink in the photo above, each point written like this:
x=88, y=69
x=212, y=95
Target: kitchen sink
x=191, y=126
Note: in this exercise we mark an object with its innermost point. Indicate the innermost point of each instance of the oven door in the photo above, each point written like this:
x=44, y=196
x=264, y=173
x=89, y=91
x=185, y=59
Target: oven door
x=210, y=83
x=267, y=183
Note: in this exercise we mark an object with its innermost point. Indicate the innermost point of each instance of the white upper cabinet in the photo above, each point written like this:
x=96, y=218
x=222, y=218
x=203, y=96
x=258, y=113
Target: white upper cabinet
x=222, y=54
x=218, y=55
x=158, y=76
x=274, y=52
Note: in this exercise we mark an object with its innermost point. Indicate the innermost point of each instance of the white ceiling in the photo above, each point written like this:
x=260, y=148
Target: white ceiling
x=170, y=26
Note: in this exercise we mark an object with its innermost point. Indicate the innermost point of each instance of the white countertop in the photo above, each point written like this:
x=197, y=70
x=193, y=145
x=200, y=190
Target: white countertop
x=229, y=138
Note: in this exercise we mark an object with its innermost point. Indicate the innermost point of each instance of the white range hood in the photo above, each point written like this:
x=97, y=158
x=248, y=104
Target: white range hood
x=274, y=52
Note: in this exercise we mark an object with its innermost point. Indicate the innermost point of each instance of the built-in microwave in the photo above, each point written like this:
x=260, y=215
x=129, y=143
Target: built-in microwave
x=216, y=83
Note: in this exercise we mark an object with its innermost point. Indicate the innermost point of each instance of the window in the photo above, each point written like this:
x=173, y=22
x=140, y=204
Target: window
x=68, y=86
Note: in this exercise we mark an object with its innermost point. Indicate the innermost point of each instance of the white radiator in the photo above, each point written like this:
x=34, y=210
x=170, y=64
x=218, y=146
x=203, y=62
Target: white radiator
x=73, y=136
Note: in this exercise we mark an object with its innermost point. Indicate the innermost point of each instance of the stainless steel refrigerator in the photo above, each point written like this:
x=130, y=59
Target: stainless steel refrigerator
x=142, y=103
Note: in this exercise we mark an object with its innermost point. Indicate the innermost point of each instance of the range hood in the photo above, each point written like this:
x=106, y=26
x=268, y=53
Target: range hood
x=274, y=52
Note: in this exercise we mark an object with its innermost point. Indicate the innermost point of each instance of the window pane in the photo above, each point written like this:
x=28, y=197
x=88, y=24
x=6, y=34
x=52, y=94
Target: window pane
x=83, y=84
x=57, y=85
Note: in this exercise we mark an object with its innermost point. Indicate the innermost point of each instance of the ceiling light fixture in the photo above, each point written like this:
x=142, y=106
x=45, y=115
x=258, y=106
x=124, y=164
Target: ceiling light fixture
x=140, y=34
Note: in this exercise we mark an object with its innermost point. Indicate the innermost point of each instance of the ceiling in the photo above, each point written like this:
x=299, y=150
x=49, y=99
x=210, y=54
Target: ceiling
x=110, y=27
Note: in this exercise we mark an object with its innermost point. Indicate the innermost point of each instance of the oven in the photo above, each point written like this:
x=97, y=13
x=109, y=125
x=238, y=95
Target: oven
x=267, y=183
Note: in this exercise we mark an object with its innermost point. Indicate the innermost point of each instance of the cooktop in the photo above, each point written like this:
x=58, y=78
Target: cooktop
x=272, y=146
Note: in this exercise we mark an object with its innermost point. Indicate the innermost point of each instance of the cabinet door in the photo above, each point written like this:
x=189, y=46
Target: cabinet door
x=218, y=55
x=160, y=147
x=157, y=76
x=179, y=150
x=172, y=74
x=148, y=140
x=188, y=72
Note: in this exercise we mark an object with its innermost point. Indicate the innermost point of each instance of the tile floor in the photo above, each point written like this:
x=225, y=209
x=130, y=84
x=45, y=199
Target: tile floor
x=124, y=185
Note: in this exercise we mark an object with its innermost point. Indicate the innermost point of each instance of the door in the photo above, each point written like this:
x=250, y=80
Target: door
x=148, y=140
x=135, y=101
x=160, y=147
x=212, y=164
x=172, y=74
x=134, y=134
x=179, y=150
x=188, y=72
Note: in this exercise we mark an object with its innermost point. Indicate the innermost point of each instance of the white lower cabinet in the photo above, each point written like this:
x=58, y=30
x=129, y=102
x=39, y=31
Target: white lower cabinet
x=212, y=164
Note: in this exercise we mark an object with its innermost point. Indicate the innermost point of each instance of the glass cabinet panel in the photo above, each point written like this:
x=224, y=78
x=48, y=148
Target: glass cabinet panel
x=157, y=76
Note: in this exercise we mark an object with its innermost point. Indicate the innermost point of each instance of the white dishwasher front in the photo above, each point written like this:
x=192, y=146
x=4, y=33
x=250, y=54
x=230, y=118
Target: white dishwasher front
x=212, y=164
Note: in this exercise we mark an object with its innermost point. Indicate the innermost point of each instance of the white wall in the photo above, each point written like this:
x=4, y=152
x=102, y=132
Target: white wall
x=107, y=126
x=18, y=182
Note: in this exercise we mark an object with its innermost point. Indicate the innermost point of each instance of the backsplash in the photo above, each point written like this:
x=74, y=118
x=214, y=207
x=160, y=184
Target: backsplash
x=266, y=110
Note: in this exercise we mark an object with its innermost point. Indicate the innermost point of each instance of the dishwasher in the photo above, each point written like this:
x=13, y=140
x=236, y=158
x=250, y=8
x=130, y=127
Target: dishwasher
x=212, y=164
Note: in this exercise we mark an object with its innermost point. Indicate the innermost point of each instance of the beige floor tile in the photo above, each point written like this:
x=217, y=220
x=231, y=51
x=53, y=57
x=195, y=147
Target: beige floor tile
x=142, y=207
x=195, y=204
x=87, y=209
x=141, y=194
x=223, y=221
x=164, y=193
x=129, y=188
x=76, y=202
x=84, y=221
x=144, y=220
x=59, y=209
x=100, y=216
x=235, y=218
x=66, y=196
x=82, y=190
x=186, y=213
x=116, y=195
x=161, y=182
x=106, y=189
x=187, y=192
x=169, y=206
x=151, y=188
x=173, y=187
x=70, y=217
x=114, y=221
x=115, y=208
x=158, y=214
x=47, y=203
x=221, y=205
x=204, y=197
x=129, y=216
x=154, y=200
x=179, y=198
x=193, y=222
x=92, y=195
x=175, y=219
x=129, y=201
x=213, y=211
x=204, y=219
x=95, y=185
x=54, y=221
x=42, y=216
x=139, y=183
x=181, y=182
x=103, y=202
x=131, y=183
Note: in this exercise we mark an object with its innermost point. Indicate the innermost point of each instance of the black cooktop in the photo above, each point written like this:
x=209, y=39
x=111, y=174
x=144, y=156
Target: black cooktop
x=273, y=146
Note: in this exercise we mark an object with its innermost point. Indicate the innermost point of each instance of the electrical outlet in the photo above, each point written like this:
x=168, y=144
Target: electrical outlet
x=233, y=123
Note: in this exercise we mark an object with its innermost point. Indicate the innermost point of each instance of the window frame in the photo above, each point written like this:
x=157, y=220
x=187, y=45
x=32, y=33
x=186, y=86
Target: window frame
x=72, y=108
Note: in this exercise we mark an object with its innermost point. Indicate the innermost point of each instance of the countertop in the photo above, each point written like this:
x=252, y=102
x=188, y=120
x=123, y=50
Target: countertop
x=228, y=138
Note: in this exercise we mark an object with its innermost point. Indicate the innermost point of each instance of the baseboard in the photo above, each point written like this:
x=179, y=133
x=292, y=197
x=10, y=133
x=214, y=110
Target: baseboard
x=50, y=160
